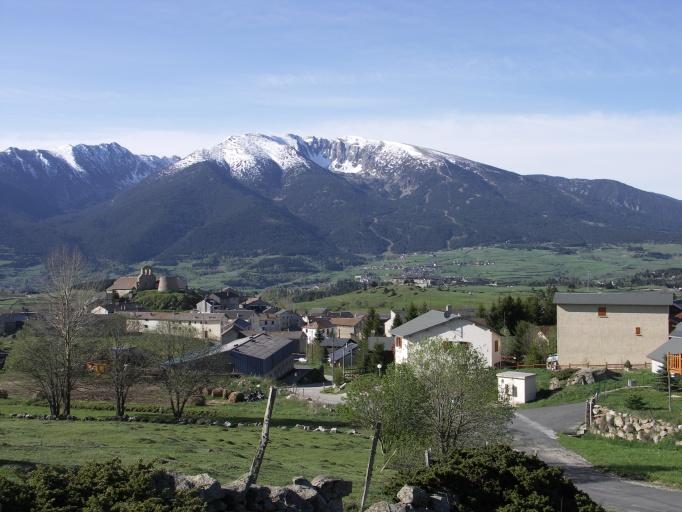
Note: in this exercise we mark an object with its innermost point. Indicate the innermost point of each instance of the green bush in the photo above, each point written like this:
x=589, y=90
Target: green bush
x=634, y=402
x=565, y=373
x=501, y=479
x=107, y=486
x=338, y=376
x=167, y=301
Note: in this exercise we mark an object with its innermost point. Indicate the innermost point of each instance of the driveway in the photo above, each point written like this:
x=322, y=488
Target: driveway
x=535, y=431
x=314, y=391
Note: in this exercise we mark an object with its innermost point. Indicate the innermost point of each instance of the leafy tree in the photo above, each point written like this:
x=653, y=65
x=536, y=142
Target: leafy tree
x=412, y=312
x=445, y=397
x=316, y=349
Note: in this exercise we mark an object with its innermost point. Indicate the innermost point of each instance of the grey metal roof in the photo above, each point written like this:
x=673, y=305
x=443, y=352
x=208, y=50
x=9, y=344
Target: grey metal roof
x=677, y=332
x=335, y=342
x=422, y=322
x=654, y=298
x=673, y=345
x=339, y=354
x=261, y=346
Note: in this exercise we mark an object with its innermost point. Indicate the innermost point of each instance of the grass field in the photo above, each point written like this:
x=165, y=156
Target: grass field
x=223, y=453
x=656, y=404
x=384, y=298
x=660, y=463
x=505, y=264
x=569, y=394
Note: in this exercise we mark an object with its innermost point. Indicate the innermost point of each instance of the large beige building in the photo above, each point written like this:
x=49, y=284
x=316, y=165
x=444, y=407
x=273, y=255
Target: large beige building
x=599, y=328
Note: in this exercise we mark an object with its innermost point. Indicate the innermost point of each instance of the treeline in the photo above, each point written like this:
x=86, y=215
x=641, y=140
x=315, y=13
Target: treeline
x=505, y=315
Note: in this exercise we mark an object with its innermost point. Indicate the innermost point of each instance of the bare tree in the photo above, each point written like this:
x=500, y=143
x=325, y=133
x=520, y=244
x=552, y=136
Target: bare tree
x=185, y=367
x=38, y=355
x=126, y=365
x=54, y=351
x=67, y=317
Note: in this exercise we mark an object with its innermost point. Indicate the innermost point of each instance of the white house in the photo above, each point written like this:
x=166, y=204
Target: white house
x=388, y=324
x=321, y=324
x=517, y=387
x=451, y=327
x=672, y=346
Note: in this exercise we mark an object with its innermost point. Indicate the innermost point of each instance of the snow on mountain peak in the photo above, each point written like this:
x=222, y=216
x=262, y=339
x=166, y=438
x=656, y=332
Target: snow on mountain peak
x=66, y=153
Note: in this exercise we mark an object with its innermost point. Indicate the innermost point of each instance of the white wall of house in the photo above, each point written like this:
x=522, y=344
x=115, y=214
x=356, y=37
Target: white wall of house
x=210, y=329
x=310, y=333
x=458, y=330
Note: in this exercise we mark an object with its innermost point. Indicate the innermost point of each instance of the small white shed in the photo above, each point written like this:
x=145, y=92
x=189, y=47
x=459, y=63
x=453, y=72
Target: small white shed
x=518, y=387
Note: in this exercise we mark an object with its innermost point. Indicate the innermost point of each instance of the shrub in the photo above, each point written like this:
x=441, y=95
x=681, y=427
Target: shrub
x=104, y=487
x=565, y=373
x=338, y=376
x=627, y=365
x=635, y=402
x=499, y=478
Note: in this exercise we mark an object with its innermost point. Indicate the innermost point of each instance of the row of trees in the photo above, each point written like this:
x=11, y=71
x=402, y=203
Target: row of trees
x=54, y=347
x=504, y=315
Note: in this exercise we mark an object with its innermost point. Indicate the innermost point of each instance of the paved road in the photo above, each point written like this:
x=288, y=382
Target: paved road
x=535, y=431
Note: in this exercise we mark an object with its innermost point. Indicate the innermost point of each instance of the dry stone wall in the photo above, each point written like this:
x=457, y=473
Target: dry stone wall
x=321, y=494
x=613, y=424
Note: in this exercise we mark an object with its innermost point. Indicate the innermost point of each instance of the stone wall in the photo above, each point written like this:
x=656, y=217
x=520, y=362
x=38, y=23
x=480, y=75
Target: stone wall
x=612, y=424
x=321, y=494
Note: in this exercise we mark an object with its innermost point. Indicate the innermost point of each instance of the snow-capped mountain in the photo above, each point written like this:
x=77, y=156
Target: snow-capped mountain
x=262, y=194
x=71, y=177
x=246, y=156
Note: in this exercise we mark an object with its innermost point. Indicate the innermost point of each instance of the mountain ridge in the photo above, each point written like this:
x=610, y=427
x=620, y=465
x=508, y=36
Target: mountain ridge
x=308, y=195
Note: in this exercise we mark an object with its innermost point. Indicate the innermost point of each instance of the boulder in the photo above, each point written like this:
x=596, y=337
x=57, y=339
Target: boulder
x=332, y=488
x=310, y=496
x=234, y=494
x=413, y=495
x=589, y=376
x=286, y=499
x=203, y=485
x=554, y=384
x=217, y=392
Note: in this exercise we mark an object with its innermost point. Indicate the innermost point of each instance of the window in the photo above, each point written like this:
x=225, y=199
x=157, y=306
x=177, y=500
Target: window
x=398, y=342
x=514, y=391
x=602, y=311
x=497, y=345
x=638, y=331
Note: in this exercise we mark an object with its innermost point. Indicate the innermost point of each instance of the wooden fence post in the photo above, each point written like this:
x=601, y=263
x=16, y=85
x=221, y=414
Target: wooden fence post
x=264, y=438
x=370, y=464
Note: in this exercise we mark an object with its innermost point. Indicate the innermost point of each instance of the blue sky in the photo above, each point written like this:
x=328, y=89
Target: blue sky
x=581, y=89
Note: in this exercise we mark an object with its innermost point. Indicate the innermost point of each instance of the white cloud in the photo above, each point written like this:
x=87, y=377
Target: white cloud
x=644, y=151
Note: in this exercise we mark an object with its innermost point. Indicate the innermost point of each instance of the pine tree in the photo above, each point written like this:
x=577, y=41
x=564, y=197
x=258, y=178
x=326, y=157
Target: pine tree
x=412, y=312
x=397, y=321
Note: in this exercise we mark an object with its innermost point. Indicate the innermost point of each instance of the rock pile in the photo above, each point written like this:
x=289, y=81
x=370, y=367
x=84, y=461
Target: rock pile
x=322, y=494
x=589, y=376
x=411, y=498
x=612, y=424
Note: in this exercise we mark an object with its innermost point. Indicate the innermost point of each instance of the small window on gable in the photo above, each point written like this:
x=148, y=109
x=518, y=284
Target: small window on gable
x=602, y=311
x=398, y=342
x=638, y=331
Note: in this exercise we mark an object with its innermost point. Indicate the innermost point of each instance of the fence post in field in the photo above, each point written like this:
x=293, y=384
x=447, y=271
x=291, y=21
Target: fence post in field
x=370, y=464
x=264, y=439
